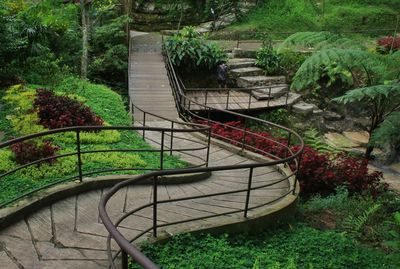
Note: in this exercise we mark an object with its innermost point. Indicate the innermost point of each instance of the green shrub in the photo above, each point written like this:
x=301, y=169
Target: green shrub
x=269, y=60
x=290, y=62
x=190, y=50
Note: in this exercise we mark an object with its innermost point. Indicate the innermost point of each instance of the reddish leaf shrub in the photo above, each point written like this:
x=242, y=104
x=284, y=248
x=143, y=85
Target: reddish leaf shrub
x=27, y=152
x=318, y=172
x=389, y=42
x=61, y=111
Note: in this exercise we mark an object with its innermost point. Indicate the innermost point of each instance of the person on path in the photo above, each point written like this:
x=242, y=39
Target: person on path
x=222, y=71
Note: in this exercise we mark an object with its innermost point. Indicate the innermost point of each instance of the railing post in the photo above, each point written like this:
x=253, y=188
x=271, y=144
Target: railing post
x=227, y=99
x=297, y=173
x=269, y=96
x=206, y=97
x=172, y=138
x=124, y=261
x=144, y=125
x=155, y=185
x=162, y=151
x=287, y=96
x=249, y=100
x=244, y=134
x=208, y=146
x=246, y=209
x=78, y=148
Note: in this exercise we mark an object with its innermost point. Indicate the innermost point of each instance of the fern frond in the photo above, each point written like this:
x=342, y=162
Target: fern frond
x=322, y=61
x=313, y=139
x=388, y=131
x=356, y=224
x=367, y=94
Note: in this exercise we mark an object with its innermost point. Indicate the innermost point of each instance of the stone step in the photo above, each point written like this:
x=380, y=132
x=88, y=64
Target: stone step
x=303, y=108
x=254, y=81
x=240, y=63
x=271, y=92
x=243, y=53
x=246, y=71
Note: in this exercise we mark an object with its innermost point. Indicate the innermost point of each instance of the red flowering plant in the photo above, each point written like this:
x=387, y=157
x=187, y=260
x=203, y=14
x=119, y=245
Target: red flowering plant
x=318, y=172
x=27, y=152
x=388, y=43
x=61, y=111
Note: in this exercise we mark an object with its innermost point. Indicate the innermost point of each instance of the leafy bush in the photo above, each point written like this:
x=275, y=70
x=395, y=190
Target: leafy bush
x=269, y=60
x=388, y=44
x=290, y=62
x=60, y=111
x=27, y=152
x=190, y=50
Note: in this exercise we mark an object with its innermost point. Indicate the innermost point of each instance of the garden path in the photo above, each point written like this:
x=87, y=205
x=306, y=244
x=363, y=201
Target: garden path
x=69, y=233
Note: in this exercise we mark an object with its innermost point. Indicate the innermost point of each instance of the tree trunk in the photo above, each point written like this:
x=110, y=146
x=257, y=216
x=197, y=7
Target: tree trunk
x=85, y=38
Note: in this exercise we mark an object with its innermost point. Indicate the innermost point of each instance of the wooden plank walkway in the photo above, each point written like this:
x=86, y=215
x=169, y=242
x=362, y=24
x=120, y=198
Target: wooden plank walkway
x=69, y=234
x=148, y=81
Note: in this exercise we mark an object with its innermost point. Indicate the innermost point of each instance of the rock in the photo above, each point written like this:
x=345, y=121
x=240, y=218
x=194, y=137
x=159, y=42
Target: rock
x=395, y=167
x=318, y=112
x=302, y=108
x=360, y=138
x=246, y=71
x=254, y=81
x=339, y=141
x=265, y=93
x=332, y=116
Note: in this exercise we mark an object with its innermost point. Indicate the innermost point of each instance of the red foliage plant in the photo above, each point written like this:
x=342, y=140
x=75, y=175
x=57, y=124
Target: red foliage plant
x=27, y=152
x=318, y=172
x=61, y=111
x=388, y=43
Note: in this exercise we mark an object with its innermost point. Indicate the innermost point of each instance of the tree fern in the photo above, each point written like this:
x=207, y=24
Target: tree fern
x=333, y=61
x=388, y=131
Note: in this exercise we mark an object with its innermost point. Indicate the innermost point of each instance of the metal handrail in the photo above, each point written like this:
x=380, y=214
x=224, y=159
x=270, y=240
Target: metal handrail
x=80, y=174
x=183, y=103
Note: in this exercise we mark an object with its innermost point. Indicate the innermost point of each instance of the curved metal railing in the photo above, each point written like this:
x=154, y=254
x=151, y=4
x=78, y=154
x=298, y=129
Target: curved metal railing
x=81, y=173
x=246, y=140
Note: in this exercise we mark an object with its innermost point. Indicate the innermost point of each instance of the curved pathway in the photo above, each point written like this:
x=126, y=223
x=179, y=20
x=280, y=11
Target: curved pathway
x=69, y=233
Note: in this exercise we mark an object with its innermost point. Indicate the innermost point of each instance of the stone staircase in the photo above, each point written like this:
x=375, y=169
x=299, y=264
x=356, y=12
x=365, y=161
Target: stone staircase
x=246, y=75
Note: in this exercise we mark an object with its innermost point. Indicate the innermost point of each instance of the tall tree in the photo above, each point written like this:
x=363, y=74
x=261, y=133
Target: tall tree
x=85, y=6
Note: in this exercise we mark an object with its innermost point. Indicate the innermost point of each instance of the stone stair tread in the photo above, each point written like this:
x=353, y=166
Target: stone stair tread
x=360, y=138
x=246, y=71
x=241, y=60
x=251, y=81
x=274, y=91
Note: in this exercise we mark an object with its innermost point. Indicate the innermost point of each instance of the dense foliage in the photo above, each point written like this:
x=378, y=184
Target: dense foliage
x=294, y=246
x=41, y=41
x=191, y=50
x=27, y=152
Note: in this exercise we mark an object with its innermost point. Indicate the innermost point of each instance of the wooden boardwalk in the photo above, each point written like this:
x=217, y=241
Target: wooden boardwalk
x=148, y=81
x=69, y=234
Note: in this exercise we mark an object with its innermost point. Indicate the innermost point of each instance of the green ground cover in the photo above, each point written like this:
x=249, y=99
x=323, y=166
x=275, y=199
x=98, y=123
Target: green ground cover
x=330, y=15
x=17, y=118
x=333, y=232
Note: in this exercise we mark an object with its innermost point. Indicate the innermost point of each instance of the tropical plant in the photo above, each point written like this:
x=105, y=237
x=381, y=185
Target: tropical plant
x=381, y=101
x=269, y=60
x=190, y=49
